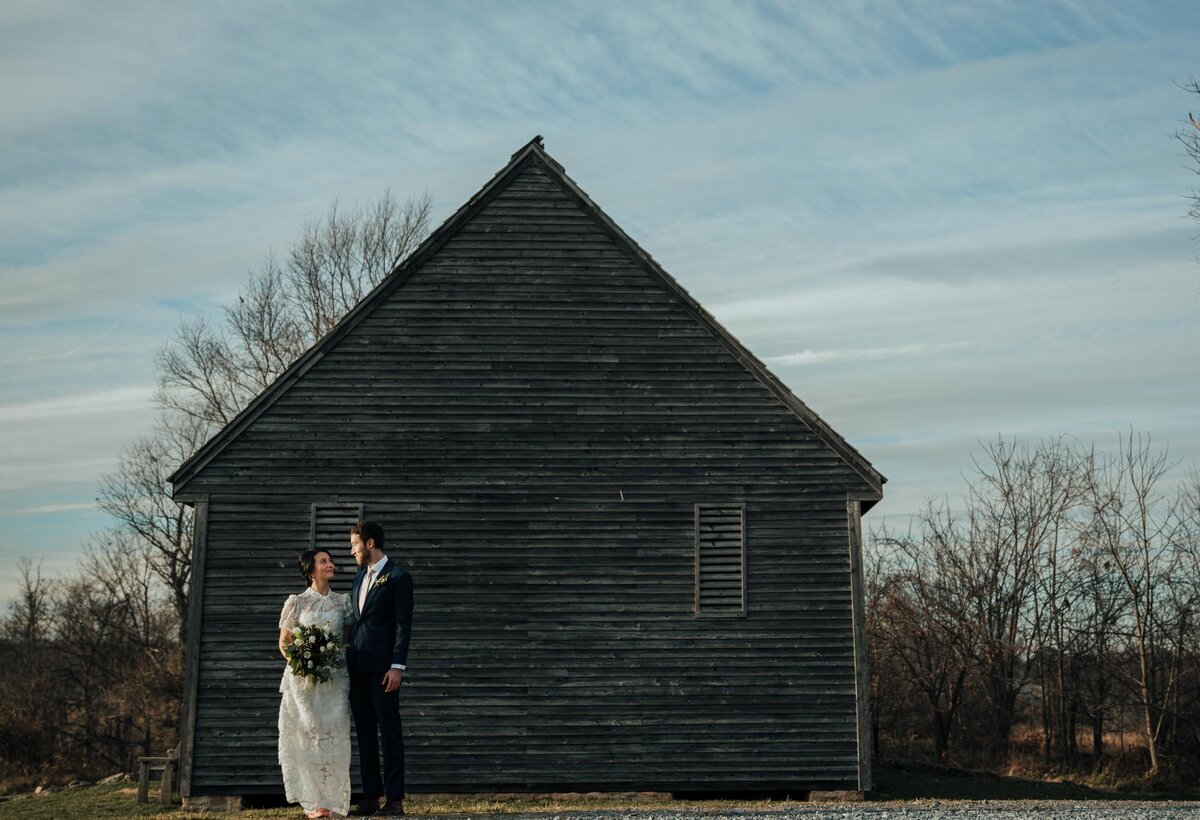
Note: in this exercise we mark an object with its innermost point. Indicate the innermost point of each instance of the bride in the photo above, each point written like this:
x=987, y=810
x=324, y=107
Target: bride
x=314, y=720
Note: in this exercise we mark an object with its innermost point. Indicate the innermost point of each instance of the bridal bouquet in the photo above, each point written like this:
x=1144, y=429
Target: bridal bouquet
x=315, y=652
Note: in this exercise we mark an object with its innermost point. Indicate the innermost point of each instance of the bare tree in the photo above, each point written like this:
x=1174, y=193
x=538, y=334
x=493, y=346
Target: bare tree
x=1187, y=706
x=29, y=614
x=140, y=696
x=96, y=680
x=211, y=372
x=28, y=685
x=924, y=622
x=1067, y=587
x=137, y=495
x=1136, y=526
x=1015, y=512
x=1097, y=613
x=1052, y=500
x=1189, y=136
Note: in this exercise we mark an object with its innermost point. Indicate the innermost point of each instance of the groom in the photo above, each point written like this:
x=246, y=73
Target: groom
x=375, y=657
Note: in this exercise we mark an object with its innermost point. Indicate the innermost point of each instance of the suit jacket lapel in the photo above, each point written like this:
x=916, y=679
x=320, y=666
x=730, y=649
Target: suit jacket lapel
x=358, y=579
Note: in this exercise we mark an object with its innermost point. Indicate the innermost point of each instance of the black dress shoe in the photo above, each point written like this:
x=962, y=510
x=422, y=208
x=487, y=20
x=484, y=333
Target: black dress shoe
x=366, y=808
x=393, y=809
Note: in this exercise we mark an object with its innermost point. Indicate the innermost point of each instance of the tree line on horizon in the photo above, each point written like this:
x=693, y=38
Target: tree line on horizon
x=1052, y=619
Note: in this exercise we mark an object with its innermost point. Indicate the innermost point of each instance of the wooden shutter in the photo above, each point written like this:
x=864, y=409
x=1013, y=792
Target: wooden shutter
x=331, y=523
x=720, y=559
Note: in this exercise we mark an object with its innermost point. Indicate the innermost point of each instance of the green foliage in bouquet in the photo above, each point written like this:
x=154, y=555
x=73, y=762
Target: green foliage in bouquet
x=314, y=652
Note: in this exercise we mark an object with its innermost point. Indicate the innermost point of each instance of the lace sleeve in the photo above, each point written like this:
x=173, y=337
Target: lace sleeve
x=347, y=611
x=290, y=614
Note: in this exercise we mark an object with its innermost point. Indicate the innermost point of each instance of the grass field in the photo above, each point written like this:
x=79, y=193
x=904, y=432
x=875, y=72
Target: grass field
x=892, y=784
x=121, y=801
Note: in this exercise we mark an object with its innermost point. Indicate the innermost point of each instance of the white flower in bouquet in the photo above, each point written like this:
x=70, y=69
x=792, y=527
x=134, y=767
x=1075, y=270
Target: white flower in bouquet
x=314, y=652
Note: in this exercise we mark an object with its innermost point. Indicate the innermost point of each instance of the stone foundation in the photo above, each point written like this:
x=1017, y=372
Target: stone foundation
x=210, y=802
x=848, y=796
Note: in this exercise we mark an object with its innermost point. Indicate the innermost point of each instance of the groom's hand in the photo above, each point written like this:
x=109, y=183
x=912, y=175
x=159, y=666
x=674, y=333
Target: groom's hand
x=391, y=681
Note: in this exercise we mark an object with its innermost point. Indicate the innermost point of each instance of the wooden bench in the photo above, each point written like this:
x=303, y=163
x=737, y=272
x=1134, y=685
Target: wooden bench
x=168, y=766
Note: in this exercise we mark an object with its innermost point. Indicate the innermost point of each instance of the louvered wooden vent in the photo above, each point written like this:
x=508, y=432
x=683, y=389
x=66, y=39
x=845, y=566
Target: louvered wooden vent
x=331, y=523
x=720, y=559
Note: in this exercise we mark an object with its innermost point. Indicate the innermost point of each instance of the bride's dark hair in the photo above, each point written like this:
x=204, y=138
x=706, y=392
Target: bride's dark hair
x=308, y=562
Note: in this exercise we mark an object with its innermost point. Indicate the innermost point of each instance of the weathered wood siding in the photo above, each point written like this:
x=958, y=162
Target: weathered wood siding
x=534, y=417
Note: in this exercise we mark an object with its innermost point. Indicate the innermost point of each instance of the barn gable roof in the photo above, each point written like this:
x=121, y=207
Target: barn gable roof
x=531, y=152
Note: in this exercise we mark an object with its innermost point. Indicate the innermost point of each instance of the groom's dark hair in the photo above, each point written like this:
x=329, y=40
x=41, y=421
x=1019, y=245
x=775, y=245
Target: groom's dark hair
x=367, y=531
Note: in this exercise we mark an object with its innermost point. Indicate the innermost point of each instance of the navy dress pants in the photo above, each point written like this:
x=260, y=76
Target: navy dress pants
x=377, y=716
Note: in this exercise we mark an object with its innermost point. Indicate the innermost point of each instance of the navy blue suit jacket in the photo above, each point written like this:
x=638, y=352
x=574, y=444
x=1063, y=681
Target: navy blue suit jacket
x=380, y=634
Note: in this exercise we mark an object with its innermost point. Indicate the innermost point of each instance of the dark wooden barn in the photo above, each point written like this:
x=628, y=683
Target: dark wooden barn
x=636, y=553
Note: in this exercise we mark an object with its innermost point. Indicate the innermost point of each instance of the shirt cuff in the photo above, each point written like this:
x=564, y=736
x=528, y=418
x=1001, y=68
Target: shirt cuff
x=399, y=666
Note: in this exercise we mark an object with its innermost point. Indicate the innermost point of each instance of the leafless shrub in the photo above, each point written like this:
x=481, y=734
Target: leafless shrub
x=1063, y=592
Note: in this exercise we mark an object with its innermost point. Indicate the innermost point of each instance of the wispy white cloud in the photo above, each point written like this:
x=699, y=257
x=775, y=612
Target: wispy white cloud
x=116, y=400
x=806, y=357
x=47, y=509
x=63, y=440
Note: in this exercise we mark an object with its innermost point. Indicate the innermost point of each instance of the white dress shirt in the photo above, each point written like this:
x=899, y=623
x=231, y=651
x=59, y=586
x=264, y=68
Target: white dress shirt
x=373, y=572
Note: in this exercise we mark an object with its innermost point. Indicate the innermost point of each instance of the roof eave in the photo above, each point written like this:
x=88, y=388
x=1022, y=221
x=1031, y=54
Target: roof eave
x=854, y=459
x=438, y=237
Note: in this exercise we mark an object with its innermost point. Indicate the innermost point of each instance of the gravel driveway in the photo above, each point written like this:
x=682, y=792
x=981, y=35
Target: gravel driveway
x=921, y=810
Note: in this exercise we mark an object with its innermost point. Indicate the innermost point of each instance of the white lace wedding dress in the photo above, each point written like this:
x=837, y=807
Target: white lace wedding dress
x=314, y=721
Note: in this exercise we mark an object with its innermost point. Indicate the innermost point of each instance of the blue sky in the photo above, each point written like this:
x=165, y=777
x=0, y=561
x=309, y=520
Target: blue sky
x=936, y=222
